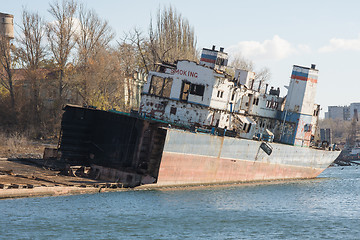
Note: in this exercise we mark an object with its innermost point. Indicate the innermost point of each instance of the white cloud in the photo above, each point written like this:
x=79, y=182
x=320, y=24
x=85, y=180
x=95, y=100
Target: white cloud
x=270, y=49
x=341, y=44
x=303, y=48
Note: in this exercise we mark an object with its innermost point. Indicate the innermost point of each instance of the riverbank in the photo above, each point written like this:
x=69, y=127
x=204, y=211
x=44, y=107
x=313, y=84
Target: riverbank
x=19, y=146
x=44, y=191
x=31, y=178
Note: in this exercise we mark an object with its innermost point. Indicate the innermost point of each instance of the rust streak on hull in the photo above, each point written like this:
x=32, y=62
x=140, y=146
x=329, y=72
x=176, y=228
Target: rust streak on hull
x=183, y=168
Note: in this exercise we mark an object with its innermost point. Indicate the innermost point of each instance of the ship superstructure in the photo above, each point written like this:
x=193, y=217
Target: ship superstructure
x=204, y=96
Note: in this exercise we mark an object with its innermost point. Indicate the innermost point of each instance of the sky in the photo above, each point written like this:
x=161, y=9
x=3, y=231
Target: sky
x=274, y=34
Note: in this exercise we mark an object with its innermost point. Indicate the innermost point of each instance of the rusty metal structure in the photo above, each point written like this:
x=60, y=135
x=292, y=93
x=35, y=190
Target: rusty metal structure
x=197, y=124
x=7, y=25
x=112, y=139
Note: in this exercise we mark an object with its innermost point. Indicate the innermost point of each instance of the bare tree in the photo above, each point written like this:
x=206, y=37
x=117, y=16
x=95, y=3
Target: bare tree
x=31, y=53
x=172, y=38
x=339, y=128
x=93, y=35
x=141, y=48
x=129, y=62
x=103, y=81
x=60, y=35
x=261, y=76
x=242, y=63
x=31, y=50
x=92, y=40
x=135, y=61
x=6, y=73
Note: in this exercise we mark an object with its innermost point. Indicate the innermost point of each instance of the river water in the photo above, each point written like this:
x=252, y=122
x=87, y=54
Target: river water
x=324, y=208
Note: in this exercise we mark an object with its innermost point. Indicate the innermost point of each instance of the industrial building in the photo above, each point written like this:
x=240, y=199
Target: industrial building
x=7, y=25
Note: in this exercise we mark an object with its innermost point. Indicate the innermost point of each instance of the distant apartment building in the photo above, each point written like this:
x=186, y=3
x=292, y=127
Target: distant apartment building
x=342, y=112
x=352, y=107
x=336, y=112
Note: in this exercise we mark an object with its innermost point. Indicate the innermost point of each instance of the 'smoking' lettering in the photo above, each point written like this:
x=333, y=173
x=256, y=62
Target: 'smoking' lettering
x=185, y=73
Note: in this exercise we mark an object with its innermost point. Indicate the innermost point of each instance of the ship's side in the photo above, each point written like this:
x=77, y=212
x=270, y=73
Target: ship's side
x=196, y=158
x=136, y=150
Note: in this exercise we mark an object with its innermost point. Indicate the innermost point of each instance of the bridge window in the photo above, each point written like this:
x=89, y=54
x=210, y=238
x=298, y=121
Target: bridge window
x=197, y=89
x=220, y=94
x=247, y=127
x=173, y=110
x=184, y=94
x=272, y=104
x=167, y=87
x=233, y=96
x=307, y=128
x=160, y=86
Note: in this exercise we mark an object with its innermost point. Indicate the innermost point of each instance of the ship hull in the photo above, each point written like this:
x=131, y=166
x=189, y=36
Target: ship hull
x=195, y=158
x=137, y=151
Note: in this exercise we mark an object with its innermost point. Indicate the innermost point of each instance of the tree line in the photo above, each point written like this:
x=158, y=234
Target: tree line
x=76, y=58
x=340, y=129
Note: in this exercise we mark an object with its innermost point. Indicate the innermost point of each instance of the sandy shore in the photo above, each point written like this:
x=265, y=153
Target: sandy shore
x=45, y=191
x=29, y=178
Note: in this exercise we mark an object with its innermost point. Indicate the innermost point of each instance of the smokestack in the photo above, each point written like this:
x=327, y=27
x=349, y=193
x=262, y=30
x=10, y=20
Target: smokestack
x=313, y=66
x=213, y=48
x=221, y=49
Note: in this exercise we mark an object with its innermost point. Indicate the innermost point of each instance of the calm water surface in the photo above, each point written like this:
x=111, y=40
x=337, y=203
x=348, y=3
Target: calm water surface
x=324, y=208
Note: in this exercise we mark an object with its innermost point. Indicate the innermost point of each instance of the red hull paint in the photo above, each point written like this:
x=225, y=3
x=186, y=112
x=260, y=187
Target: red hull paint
x=187, y=169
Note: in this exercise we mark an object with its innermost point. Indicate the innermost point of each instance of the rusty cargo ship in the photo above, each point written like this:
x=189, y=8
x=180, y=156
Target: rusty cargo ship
x=200, y=124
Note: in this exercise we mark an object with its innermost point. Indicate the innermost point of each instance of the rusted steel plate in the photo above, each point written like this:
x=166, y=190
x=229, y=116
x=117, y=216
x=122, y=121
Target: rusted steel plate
x=202, y=158
x=186, y=169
